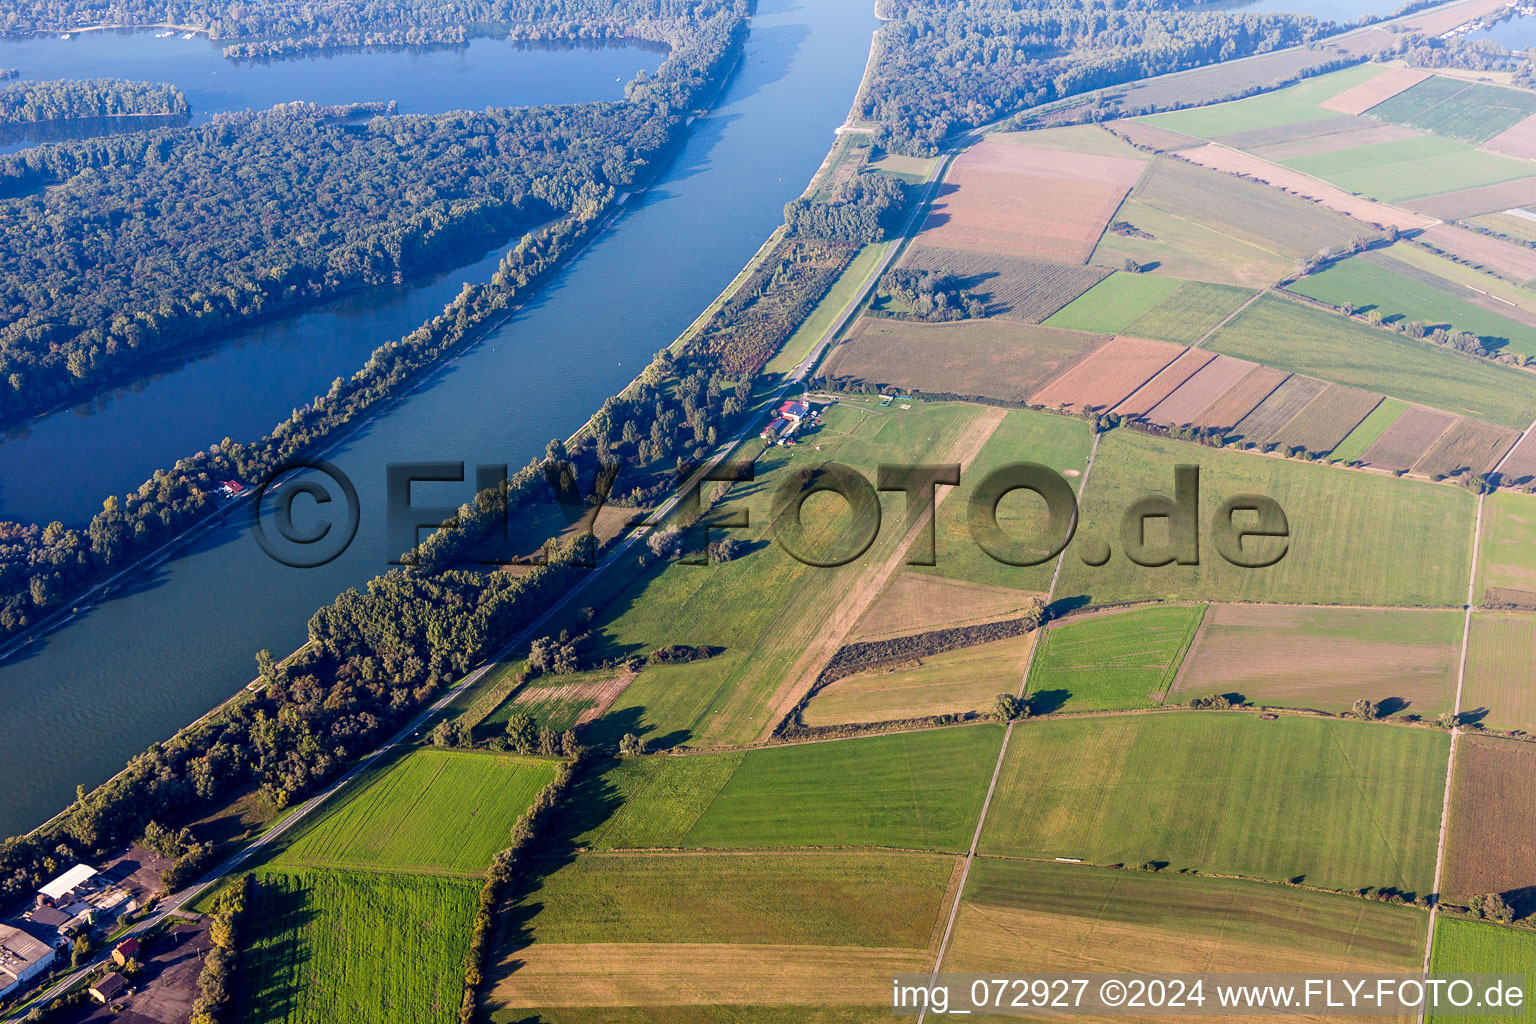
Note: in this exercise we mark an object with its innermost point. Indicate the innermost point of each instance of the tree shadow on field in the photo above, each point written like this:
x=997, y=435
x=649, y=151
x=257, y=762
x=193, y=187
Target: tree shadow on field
x=1391, y=706
x=1523, y=901
x=1046, y=701
x=1066, y=605
x=605, y=733
x=1472, y=716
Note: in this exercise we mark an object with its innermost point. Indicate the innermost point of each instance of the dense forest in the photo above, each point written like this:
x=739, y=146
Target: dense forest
x=928, y=295
x=944, y=67
x=863, y=209
x=72, y=99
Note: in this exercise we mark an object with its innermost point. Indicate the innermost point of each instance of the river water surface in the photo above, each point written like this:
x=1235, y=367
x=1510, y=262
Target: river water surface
x=160, y=652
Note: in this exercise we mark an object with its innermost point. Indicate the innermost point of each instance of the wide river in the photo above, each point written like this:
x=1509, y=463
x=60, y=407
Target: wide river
x=181, y=638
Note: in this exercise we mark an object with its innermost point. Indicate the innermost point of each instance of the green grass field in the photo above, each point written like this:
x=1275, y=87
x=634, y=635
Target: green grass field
x=1473, y=947
x=1339, y=804
x=435, y=811
x=1400, y=298
x=1189, y=314
x=1024, y=436
x=967, y=679
x=1291, y=105
x=1359, y=441
x=1118, y=660
x=1469, y=111
x=1349, y=532
x=912, y=790
x=1506, y=558
x=1079, y=917
x=1410, y=168
x=827, y=310
x=831, y=899
x=1183, y=248
x=339, y=947
x=1112, y=304
x=1310, y=341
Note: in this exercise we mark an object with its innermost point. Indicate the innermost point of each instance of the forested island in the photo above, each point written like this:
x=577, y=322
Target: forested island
x=74, y=99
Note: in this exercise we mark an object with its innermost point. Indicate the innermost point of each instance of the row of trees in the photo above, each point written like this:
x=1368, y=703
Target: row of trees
x=945, y=66
x=215, y=983
x=70, y=99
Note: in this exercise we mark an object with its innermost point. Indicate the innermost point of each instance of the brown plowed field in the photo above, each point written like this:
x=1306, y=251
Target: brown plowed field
x=1242, y=398
x=1019, y=289
x=1469, y=444
x=1518, y=141
x=1520, y=467
x=1325, y=658
x=1220, y=158
x=915, y=602
x=1406, y=441
x=1166, y=382
x=983, y=358
x=1278, y=409
x=1491, y=843
x=1509, y=597
x=1332, y=143
x=1328, y=420
x=1469, y=202
x=1150, y=135
x=1512, y=262
x=1029, y=202
x=1192, y=397
x=1388, y=83
x=1108, y=375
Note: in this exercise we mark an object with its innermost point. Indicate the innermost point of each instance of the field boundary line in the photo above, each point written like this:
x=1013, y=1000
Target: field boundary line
x=1255, y=297
x=1002, y=753
x=1450, y=764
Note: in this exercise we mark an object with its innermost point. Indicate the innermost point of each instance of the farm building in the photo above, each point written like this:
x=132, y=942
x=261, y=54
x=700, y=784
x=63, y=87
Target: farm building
x=109, y=988
x=772, y=430
x=125, y=951
x=22, y=958
x=77, y=880
x=794, y=411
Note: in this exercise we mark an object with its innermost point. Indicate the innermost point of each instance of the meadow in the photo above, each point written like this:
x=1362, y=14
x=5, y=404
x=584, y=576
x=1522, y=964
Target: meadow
x=1320, y=344
x=435, y=812
x=1358, y=441
x=1501, y=669
x=1078, y=918
x=1111, y=305
x=1190, y=313
x=1506, y=558
x=1113, y=660
x=1401, y=293
x=1184, y=249
x=1348, y=532
x=1410, y=168
x=1472, y=947
x=968, y=679
x=1326, y=658
x=821, y=898
x=338, y=947
x=919, y=790
x=1227, y=794
x=1291, y=105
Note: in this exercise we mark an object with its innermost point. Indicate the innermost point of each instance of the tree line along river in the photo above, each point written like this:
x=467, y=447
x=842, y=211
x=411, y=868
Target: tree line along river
x=179, y=638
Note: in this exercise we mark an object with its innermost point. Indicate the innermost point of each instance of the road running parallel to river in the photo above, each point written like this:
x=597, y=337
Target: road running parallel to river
x=178, y=640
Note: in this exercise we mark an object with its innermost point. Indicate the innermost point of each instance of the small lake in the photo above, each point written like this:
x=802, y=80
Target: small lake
x=1515, y=34
x=62, y=465
x=481, y=73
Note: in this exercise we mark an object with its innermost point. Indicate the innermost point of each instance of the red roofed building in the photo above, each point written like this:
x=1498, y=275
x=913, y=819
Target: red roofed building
x=125, y=951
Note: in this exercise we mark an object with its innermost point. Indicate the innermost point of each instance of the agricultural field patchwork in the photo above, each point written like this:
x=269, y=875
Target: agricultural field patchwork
x=1459, y=204
x=1086, y=918
x=1279, y=408
x=1164, y=383
x=561, y=702
x=1411, y=168
x=1012, y=287
x=435, y=811
x=342, y=947
x=1469, y=111
x=1466, y=448
x=1190, y=313
x=1227, y=793
x=1108, y=375
x=1359, y=440
x=1323, y=424
x=1491, y=838
x=1114, y=660
x=1406, y=441
x=1304, y=340
x=1302, y=102
x=1347, y=532
x=1326, y=658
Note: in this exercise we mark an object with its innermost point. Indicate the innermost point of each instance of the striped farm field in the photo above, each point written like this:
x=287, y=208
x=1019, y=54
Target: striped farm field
x=1241, y=398
x=1359, y=440
x=1227, y=793
x=1277, y=410
x=344, y=947
x=918, y=790
x=1467, y=447
x=1165, y=382
x=1406, y=441
x=1348, y=532
x=1113, y=304
x=1108, y=375
x=1474, y=947
x=1113, y=660
x=1209, y=383
x=1012, y=287
x=1305, y=340
x=1081, y=918
x=1411, y=168
x=1459, y=204
x=1469, y=111
x=1326, y=658
x=1332, y=416
x=1501, y=669
x=1190, y=313
x=435, y=811
x=1491, y=835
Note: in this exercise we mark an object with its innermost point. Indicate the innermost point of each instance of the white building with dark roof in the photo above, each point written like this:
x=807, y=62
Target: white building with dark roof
x=22, y=958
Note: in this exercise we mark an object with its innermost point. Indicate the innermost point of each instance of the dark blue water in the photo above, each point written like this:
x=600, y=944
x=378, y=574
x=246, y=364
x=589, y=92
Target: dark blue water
x=136, y=667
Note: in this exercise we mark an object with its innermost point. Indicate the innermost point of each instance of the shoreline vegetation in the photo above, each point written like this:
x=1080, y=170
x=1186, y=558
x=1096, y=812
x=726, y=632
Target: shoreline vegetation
x=374, y=657
x=72, y=99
